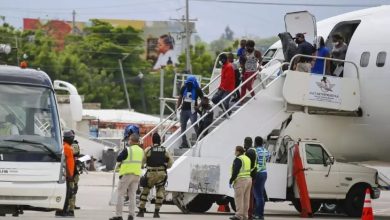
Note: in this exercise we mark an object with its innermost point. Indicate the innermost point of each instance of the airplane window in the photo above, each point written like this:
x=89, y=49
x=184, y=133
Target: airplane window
x=365, y=58
x=381, y=59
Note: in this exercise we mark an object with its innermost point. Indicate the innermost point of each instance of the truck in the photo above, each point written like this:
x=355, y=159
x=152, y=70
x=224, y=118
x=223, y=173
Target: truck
x=328, y=181
x=32, y=164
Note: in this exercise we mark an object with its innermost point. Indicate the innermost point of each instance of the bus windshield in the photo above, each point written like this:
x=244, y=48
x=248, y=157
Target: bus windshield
x=29, y=124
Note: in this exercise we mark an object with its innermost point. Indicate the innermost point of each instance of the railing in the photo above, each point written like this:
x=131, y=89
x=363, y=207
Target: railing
x=325, y=59
x=226, y=113
x=220, y=104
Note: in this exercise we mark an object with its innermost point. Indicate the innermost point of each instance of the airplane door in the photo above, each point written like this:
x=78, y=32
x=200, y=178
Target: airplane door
x=318, y=183
x=301, y=22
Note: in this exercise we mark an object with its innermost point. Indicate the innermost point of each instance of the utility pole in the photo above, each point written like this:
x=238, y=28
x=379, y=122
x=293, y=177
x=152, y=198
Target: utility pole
x=74, y=22
x=188, y=39
x=124, y=81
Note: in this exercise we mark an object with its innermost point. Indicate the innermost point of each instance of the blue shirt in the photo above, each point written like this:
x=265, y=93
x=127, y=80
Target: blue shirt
x=262, y=154
x=240, y=52
x=318, y=67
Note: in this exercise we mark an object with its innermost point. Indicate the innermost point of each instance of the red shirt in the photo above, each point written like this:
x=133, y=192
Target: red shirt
x=68, y=152
x=228, y=77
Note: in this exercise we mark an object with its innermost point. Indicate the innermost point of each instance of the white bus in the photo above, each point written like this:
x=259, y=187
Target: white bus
x=31, y=154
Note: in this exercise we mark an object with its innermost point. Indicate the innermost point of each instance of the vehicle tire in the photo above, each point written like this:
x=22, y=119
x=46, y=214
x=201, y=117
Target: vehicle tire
x=354, y=201
x=315, y=205
x=201, y=203
x=328, y=207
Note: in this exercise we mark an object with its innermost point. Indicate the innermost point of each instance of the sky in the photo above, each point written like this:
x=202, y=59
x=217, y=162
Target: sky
x=244, y=18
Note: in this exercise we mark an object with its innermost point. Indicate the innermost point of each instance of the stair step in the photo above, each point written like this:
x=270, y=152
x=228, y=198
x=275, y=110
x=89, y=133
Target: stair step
x=180, y=151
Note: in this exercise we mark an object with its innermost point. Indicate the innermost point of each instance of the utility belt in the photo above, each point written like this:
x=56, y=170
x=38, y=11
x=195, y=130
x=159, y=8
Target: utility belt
x=156, y=169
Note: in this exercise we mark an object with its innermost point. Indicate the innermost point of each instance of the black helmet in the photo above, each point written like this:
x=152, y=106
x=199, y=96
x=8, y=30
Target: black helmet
x=68, y=137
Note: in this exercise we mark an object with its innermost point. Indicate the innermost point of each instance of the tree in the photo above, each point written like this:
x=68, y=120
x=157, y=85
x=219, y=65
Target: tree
x=229, y=34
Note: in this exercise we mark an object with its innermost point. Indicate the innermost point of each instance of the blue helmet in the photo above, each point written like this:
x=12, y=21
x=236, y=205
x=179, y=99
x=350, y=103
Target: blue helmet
x=130, y=129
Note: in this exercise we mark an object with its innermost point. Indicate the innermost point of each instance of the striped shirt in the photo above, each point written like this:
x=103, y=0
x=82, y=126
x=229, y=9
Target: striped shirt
x=262, y=157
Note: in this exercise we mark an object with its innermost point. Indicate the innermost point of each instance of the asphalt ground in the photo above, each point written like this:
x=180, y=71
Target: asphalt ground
x=95, y=190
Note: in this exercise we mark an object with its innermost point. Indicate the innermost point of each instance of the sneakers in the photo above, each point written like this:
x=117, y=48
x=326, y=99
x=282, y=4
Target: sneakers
x=234, y=218
x=130, y=217
x=116, y=218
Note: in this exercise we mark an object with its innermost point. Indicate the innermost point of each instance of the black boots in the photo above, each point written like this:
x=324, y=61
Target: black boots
x=156, y=213
x=141, y=212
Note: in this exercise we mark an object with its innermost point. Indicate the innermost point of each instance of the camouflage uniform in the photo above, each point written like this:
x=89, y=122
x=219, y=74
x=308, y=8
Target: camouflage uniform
x=157, y=160
x=74, y=185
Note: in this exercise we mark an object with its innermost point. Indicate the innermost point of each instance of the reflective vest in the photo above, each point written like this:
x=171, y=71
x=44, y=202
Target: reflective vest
x=133, y=162
x=5, y=129
x=261, y=165
x=245, y=170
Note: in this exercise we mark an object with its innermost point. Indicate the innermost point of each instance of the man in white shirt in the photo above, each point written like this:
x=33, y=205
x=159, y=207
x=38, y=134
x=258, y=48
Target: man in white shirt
x=167, y=55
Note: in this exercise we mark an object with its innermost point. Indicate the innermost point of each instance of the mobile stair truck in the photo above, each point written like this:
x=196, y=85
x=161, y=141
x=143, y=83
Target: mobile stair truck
x=32, y=175
x=296, y=109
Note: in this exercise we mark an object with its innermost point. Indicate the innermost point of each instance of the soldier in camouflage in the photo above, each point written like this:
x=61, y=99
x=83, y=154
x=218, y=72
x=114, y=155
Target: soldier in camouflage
x=77, y=171
x=158, y=160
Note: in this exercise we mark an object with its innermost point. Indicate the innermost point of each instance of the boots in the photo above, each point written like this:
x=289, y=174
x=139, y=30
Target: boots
x=141, y=212
x=156, y=213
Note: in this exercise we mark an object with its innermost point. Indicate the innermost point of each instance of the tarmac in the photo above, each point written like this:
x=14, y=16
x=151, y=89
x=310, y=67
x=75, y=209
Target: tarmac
x=95, y=191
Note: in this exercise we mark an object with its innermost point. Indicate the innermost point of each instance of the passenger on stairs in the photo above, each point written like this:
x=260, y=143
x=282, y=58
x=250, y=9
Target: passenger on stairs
x=251, y=62
x=237, y=74
x=339, y=51
x=321, y=66
x=228, y=82
x=204, y=109
x=303, y=64
x=189, y=95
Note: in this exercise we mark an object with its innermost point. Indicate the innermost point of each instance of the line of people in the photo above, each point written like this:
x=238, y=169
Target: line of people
x=156, y=159
x=320, y=66
x=248, y=177
x=231, y=77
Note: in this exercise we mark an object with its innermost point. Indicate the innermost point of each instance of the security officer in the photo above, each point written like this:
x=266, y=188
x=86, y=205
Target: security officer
x=77, y=171
x=68, y=210
x=242, y=182
x=158, y=160
x=131, y=159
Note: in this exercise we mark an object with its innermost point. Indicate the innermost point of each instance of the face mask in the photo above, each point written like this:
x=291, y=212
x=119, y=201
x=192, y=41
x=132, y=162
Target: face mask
x=335, y=44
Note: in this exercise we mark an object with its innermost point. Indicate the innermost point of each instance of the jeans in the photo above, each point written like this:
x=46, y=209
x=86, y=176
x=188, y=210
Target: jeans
x=221, y=94
x=185, y=115
x=258, y=192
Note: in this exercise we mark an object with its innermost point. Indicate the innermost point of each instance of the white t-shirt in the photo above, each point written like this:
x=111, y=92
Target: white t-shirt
x=163, y=59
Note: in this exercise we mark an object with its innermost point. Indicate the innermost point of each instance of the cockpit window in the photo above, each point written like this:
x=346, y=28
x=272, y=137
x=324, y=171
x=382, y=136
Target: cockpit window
x=381, y=59
x=365, y=59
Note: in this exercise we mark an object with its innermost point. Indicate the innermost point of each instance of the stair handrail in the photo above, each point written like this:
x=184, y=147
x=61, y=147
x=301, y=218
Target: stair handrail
x=325, y=59
x=173, y=114
x=236, y=103
x=214, y=107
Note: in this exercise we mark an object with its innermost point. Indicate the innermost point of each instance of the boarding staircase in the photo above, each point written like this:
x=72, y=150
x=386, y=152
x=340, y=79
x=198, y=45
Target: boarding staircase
x=204, y=167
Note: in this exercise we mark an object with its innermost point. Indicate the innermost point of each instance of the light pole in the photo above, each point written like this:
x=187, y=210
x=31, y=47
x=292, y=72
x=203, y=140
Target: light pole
x=124, y=80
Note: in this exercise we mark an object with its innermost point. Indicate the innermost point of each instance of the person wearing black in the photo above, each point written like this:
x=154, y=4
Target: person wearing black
x=204, y=109
x=188, y=99
x=157, y=160
x=250, y=152
x=303, y=64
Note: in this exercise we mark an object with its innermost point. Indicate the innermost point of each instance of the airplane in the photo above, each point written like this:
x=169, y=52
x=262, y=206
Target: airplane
x=362, y=138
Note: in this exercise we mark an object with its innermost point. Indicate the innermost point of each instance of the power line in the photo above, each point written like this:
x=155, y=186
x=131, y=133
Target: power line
x=289, y=4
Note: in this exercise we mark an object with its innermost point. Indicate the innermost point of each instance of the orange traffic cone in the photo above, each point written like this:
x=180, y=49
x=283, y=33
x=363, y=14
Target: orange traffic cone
x=367, y=208
x=223, y=208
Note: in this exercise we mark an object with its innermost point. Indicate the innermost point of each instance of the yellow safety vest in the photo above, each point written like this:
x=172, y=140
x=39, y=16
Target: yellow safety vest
x=5, y=129
x=133, y=162
x=245, y=170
